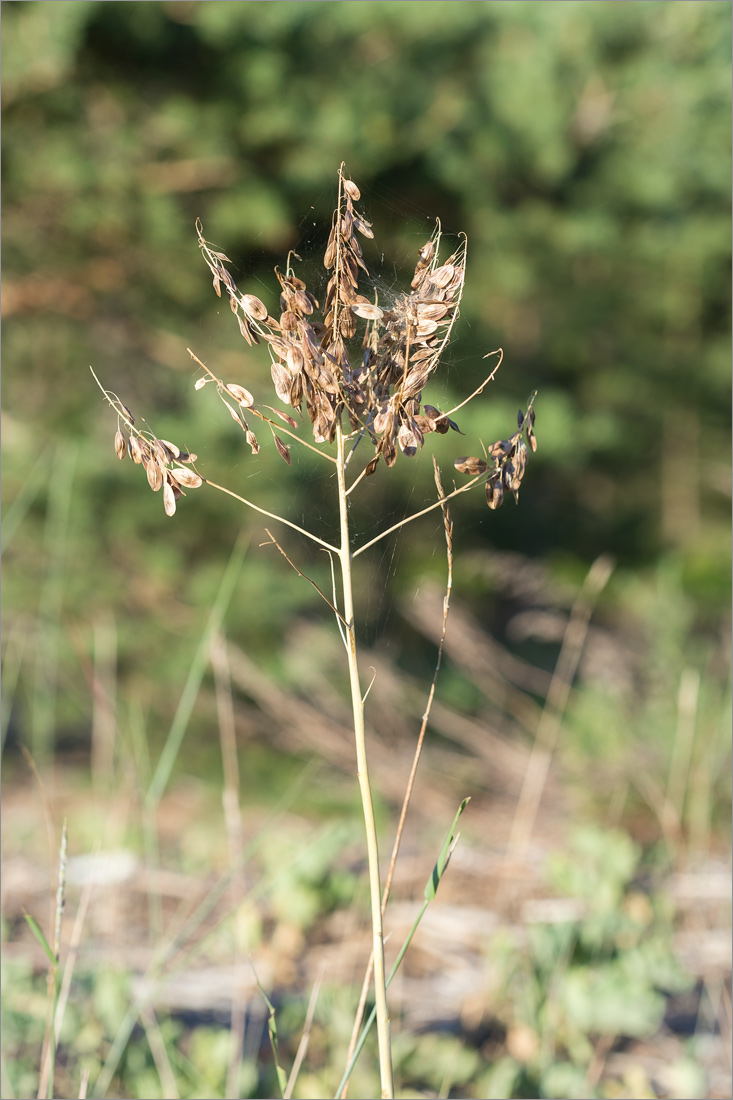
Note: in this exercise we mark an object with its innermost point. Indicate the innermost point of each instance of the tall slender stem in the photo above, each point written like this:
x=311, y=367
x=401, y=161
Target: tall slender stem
x=380, y=989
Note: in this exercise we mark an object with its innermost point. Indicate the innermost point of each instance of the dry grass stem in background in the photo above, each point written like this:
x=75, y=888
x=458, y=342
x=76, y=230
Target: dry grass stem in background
x=353, y=371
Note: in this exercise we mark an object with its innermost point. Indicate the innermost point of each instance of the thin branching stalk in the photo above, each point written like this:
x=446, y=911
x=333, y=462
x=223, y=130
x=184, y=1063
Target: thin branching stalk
x=355, y=386
x=380, y=990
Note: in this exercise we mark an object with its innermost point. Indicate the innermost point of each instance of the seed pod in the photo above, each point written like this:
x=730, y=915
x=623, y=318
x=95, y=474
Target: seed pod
x=304, y=302
x=371, y=466
x=368, y=311
x=347, y=324
x=200, y=383
x=494, y=493
x=289, y=420
x=443, y=275
x=282, y=449
x=189, y=478
x=253, y=307
x=120, y=444
x=352, y=190
x=426, y=253
x=155, y=475
x=240, y=394
x=363, y=226
x=520, y=459
x=511, y=479
x=531, y=439
x=289, y=321
x=136, y=450
x=470, y=465
x=234, y=414
x=406, y=441
x=295, y=360
x=520, y=418
x=169, y=499
x=432, y=311
x=329, y=258
x=282, y=380
x=252, y=440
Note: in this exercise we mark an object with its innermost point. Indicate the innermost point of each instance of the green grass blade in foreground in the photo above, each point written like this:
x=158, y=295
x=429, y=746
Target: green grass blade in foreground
x=431, y=888
x=18, y=510
x=38, y=933
x=195, y=676
x=272, y=1029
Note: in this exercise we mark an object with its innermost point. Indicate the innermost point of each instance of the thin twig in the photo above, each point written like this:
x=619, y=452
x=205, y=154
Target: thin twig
x=273, y=515
x=304, y=576
x=416, y=515
x=486, y=381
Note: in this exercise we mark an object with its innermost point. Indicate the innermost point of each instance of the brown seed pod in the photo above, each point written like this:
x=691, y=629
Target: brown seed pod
x=364, y=227
x=155, y=475
x=347, y=325
x=136, y=450
x=494, y=493
x=352, y=190
x=367, y=310
x=282, y=449
x=169, y=499
x=443, y=275
x=189, y=478
x=282, y=382
x=471, y=465
x=120, y=444
x=406, y=440
x=240, y=394
x=295, y=360
x=289, y=321
x=253, y=307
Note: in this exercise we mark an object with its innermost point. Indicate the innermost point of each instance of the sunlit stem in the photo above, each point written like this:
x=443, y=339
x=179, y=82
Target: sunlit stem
x=380, y=989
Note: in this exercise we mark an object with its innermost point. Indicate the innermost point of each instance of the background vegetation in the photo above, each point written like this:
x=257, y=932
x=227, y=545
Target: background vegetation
x=585, y=150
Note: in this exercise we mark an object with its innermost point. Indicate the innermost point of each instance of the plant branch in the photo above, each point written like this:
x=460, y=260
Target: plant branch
x=416, y=515
x=304, y=576
x=486, y=381
x=272, y=515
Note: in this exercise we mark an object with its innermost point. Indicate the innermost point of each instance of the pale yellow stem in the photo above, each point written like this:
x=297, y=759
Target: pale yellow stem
x=380, y=989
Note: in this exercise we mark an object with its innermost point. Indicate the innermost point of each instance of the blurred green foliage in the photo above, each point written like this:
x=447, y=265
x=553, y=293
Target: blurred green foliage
x=599, y=973
x=585, y=150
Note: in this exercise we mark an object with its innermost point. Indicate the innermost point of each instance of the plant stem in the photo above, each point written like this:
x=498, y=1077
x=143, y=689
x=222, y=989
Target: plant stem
x=380, y=989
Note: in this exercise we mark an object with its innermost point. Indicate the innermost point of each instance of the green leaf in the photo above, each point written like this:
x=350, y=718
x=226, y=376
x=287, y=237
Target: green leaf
x=37, y=932
x=431, y=887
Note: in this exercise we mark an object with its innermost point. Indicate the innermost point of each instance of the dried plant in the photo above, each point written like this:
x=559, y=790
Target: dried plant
x=366, y=364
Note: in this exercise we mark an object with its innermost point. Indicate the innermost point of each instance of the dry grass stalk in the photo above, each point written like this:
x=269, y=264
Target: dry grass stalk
x=367, y=364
